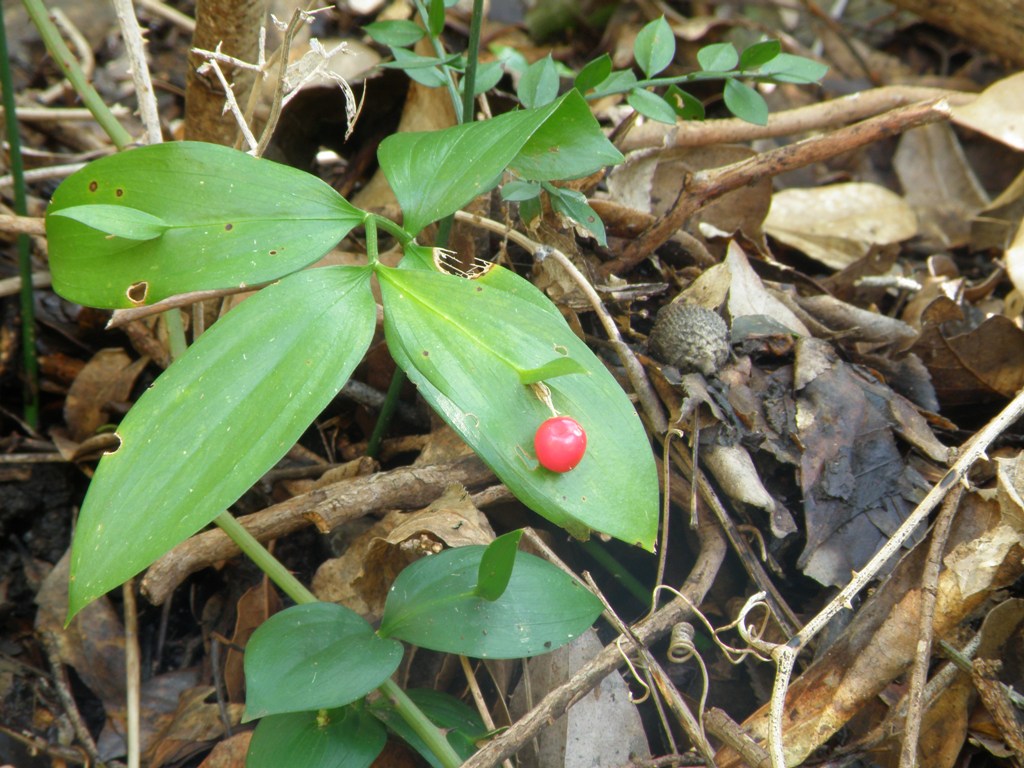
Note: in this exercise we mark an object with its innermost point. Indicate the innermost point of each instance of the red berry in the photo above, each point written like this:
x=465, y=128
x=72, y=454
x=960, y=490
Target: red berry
x=560, y=443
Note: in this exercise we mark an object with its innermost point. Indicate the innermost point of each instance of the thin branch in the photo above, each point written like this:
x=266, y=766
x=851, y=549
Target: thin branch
x=704, y=186
x=135, y=47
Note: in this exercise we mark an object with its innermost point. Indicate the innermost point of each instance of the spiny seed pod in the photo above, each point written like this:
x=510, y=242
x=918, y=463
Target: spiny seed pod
x=689, y=337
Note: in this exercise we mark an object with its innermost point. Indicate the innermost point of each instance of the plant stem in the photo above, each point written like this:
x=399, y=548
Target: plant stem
x=267, y=563
x=370, y=227
x=421, y=725
x=69, y=66
x=439, y=51
x=472, y=57
x=387, y=411
x=175, y=333
x=28, y=317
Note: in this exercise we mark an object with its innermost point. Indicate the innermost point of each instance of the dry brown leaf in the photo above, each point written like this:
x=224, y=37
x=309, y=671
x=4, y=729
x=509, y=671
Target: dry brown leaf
x=650, y=180
x=997, y=112
x=839, y=223
x=980, y=365
x=857, y=487
x=258, y=604
x=939, y=184
x=106, y=379
x=880, y=642
x=748, y=297
x=196, y=725
x=573, y=741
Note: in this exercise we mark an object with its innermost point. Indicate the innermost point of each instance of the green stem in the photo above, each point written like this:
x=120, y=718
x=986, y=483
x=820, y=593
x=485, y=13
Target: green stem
x=69, y=66
x=28, y=315
x=393, y=229
x=267, y=563
x=440, y=52
x=175, y=333
x=387, y=412
x=472, y=58
x=421, y=725
x=370, y=227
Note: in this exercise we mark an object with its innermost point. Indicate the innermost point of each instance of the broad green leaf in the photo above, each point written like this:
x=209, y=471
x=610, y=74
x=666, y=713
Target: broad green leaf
x=464, y=344
x=787, y=68
x=655, y=47
x=573, y=204
x=431, y=176
x=496, y=565
x=217, y=420
x=539, y=84
x=314, y=656
x=759, y=54
x=519, y=190
x=398, y=33
x=461, y=724
x=744, y=102
x=511, y=59
x=594, y=73
x=349, y=737
x=568, y=145
x=717, y=57
x=433, y=604
x=651, y=105
x=687, y=106
x=118, y=221
x=231, y=220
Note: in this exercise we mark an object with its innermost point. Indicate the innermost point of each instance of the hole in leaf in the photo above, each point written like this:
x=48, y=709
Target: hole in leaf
x=228, y=227
x=119, y=192
x=93, y=186
x=273, y=252
x=136, y=292
x=426, y=353
x=116, y=448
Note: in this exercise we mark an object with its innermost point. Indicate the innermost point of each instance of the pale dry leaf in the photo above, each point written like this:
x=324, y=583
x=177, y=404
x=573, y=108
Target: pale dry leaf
x=839, y=223
x=997, y=112
x=748, y=297
x=939, y=184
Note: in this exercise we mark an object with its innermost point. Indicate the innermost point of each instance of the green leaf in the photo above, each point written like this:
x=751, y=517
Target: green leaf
x=744, y=102
x=433, y=604
x=462, y=725
x=425, y=70
x=435, y=18
x=655, y=47
x=616, y=82
x=518, y=190
x=231, y=220
x=687, y=106
x=488, y=75
x=651, y=105
x=718, y=57
x=787, y=68
x=314, y=656
x=573, y=204
x=759, y=54
x=496, y=565
x=539, y=84
x=217, y=420
x=594, y=73
x=118, y=221
x=529, y=209
x=509, y=58
x=349, y=737
x=430, y=175
x=399, y=33
x=568, y=145
x=478, y=336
